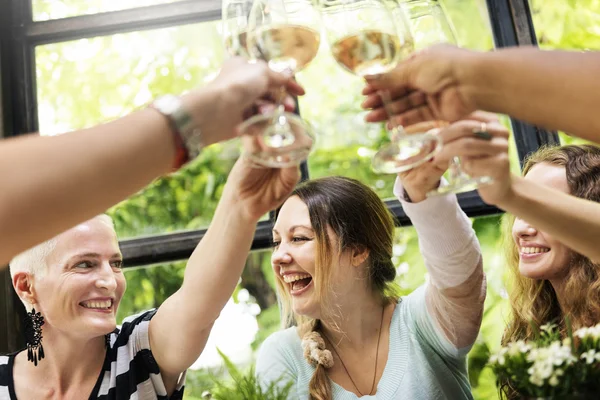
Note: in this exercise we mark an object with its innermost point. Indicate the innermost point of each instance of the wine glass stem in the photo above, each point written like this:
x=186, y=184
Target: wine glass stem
x=456, y=171
x=396, y=131
x=280, y=99
x=280, y=134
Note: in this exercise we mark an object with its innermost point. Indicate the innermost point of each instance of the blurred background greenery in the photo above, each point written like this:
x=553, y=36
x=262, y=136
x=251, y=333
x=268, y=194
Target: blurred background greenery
x=84, y=82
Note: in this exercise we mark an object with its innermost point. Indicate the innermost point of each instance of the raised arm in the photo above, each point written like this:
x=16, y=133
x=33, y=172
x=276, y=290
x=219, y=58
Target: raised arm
x=573, y=221
x=456, y=290
x=179, y=331
x=53, y=183
x=558, y=90
x=554, y=89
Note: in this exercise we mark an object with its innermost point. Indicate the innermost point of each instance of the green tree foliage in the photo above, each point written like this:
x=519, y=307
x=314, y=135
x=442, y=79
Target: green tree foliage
x=89, y=81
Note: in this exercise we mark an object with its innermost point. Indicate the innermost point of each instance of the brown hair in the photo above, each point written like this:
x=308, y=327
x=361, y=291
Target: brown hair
x=359, y=219
x=534, y=302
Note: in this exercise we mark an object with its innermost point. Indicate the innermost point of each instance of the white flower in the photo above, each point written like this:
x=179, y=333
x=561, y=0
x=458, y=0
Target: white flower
x=536, y=380
x=545, y=359
x=592, y=332
x=589, y=356
x=518, y=347
x=501, y=359
x=548, y=327
x=581, y=332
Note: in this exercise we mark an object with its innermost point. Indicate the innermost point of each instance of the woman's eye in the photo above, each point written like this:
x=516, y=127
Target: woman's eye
x=300, y=239
x=275, y=243
x=84, y=265
x=117, y=264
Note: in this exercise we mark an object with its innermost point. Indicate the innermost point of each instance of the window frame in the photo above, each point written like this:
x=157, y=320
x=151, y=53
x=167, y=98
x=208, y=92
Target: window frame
x=511, y=24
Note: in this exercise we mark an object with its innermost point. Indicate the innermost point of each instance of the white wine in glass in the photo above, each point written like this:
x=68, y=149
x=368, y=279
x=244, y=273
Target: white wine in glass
x=237, y=45
x=430, y=26
x=285, y=34
x=365, y=40
x=367, y=52
x=234, y=17
x=286, y=47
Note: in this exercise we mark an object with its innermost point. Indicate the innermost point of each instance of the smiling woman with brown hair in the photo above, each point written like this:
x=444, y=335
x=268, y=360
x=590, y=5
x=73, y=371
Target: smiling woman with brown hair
x=355, y=337
x=549, y=280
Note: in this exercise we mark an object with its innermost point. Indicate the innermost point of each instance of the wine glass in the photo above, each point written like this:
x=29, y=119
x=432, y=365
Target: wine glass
x=427, y=22
x=286, y=34
x=234, y=16
x=429, y=26
x=365, y=40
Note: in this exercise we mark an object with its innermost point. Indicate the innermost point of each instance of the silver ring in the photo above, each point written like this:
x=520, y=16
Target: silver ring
x=482, y=132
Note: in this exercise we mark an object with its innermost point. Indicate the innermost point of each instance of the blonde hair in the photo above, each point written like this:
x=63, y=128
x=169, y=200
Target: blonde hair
x=534, y=302
x=359, y=219
x=33, y=260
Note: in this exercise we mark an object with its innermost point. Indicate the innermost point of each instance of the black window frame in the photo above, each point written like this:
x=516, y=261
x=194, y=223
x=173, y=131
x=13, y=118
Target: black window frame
x=511, y=24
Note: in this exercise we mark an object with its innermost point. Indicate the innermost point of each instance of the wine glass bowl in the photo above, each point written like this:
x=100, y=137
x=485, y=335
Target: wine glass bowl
x=286, y=48
x=234, y=25
x=367, y=52
x=413, y=150
x=428, y=23
x=266, y=147
x=368, y=38
x=286, y=35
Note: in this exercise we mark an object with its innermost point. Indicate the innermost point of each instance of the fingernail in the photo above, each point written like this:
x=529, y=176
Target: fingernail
x=373, y=77
x=288, y=73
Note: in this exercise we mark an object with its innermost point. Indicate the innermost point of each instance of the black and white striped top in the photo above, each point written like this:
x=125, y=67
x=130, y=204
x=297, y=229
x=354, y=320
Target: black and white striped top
x=129, y=371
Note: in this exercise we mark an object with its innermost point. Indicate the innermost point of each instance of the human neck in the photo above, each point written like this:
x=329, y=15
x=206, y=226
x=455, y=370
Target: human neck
x=68, y=363
x=356, y=322
x=559, y=289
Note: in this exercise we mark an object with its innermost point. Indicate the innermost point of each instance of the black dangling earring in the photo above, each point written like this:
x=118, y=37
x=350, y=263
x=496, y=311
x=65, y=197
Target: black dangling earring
x=33, y=336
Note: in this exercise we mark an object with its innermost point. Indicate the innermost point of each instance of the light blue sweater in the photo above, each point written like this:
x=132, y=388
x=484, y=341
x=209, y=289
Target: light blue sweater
x=422, y=364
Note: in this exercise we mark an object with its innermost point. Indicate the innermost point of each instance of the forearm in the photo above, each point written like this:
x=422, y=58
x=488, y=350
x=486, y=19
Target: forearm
x=446, y=239
x=215, y=267
x=183, y=322
x=456, y=292
x=54, y=183
x=573, y=221
x=557, y=90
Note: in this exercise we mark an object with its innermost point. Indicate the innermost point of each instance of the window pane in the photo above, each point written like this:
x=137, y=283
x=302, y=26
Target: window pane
x=82, y=83
x=345, y=143
x=568, y=25
x=53, y=9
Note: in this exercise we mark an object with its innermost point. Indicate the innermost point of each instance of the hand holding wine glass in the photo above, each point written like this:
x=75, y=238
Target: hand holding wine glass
x=239, y=90
x=285, y=34
x=481, y=158
x=365, y=40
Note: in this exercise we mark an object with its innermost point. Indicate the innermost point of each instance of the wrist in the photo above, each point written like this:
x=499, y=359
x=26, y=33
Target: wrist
x=201, y=104
x=470, y=80
x=234, y=206
x=512, y=193
x=413, y=196
x=416, y=195
x=186, y=130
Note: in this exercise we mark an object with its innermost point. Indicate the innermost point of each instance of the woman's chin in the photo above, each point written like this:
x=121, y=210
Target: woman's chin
x=98, y=327
x=529, y=271
x=305, y=310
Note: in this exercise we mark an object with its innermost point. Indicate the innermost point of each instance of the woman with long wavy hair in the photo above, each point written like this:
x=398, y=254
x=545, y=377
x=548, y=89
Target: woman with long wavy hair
x=548, y=281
